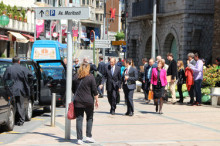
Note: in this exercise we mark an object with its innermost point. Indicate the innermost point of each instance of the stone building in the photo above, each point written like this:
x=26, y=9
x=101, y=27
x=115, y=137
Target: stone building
x=216, y=39
x=183, y=26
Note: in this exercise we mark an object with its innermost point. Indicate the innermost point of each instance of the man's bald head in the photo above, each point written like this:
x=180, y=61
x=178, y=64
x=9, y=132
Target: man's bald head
x=151, y=61
x=113, y=61
x=159, y=58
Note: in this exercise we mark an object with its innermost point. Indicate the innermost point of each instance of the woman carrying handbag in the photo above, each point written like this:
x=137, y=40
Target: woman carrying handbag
x=158, y=83
x=85, y=96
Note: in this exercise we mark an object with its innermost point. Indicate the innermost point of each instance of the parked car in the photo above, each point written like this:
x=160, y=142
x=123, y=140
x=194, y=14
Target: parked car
x=46, y=80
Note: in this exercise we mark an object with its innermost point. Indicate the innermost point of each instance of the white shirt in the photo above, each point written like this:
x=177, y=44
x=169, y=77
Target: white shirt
x=113, y=70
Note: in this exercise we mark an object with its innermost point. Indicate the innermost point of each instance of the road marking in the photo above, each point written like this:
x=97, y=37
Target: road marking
x=37, y=119
x=10, y=132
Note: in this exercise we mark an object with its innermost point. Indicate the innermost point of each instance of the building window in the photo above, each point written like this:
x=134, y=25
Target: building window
x=101, y=16
x=97, y=17
x=84, y=2
x=87, y=2
x=97, y=4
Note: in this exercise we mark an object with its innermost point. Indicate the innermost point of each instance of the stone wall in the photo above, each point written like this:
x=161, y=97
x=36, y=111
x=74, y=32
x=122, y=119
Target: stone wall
x=216, y=39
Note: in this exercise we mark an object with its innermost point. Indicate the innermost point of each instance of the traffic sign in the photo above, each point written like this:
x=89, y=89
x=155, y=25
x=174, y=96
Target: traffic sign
x=54, y=13
x=102, y=42
x=92, y=36
x=102, y=46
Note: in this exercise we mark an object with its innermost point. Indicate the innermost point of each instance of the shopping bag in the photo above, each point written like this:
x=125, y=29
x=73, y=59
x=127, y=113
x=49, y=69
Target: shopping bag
x=150, y=95
x=71, y=112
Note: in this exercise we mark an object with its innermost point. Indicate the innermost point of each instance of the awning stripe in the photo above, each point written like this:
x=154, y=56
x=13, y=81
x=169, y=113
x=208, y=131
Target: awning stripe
x=4, y=37
x=31, y=38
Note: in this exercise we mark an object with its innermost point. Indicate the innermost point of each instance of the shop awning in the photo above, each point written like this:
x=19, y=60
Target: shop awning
x=31, y=38
x=19, y=38
x=4, y=37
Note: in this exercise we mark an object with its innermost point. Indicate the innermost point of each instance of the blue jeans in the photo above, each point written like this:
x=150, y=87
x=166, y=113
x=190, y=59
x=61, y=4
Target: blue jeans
x=198, y=86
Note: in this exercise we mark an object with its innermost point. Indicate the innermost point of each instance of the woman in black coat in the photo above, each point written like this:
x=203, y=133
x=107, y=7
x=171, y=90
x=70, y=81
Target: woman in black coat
x=181, y=79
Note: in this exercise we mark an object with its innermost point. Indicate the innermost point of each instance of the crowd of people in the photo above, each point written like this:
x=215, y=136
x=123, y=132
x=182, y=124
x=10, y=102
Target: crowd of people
x=157, y=77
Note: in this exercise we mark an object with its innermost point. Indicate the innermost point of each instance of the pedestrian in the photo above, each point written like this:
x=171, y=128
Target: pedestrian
x=113, y=79
x=144, y=83
x=21, y=78
x=122, y=67
x=158, y=83
x=108, y=63
x=189, y=77
x=171, y=76
x=180, y=79
x=86, y=95
x=93, y=67
x=76, y=65
x=101, y=69
x=119, y=63
x=158, y=58
x=198, y=77
x=129, y=78
x=218, y=62
x=65, y=61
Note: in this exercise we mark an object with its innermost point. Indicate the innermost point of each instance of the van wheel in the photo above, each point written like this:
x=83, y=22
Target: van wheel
x=47, y=109
x=10, y=121
x=29, y=111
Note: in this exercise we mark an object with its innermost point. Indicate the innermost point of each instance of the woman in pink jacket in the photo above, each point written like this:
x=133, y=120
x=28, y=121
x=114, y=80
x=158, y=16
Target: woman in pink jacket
x=158, y=83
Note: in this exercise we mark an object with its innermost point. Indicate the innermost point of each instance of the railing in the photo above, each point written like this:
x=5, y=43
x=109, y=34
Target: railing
x=20, y=25
x=144, y=7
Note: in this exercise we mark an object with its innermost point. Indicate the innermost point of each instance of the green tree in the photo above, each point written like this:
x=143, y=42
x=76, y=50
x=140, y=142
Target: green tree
x=120, y=36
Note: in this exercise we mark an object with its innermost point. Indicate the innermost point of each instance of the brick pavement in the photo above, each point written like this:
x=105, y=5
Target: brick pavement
x=179, y=125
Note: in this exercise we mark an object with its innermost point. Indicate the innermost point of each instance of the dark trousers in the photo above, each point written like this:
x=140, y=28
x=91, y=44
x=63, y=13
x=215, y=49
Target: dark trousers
x=146, y=88
x=179, y=87
x=198, y=86
x=79, y=121
x=20, y=110
x=112, y=95
x=129, y=98
x=101, y=91
x=191, y=94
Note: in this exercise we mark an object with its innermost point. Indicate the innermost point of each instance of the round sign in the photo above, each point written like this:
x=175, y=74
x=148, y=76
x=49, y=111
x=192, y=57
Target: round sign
x=92, y=36
x=55, y=34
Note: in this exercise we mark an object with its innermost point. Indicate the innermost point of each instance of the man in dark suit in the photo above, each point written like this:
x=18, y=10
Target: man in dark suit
x=112, y=77
x=21, y=79
x=101, y=69
x=130, y=76
x=144, y=84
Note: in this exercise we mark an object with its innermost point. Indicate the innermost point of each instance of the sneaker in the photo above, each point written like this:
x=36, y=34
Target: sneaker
x=80, y=142
x=90, y=140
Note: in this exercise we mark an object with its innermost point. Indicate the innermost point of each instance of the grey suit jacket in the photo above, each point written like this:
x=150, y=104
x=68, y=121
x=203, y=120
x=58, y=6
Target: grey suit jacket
x=133, y=77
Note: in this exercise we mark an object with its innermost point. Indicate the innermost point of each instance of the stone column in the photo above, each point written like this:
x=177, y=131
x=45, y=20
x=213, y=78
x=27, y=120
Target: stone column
x=216, y=38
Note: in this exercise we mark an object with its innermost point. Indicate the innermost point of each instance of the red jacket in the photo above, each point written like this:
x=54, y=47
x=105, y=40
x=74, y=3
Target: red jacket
x=189, y=78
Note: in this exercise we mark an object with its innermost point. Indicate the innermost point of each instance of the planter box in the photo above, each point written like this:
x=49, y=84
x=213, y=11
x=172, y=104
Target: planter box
x=215, y=99
x=185, y=94
x=206, y=98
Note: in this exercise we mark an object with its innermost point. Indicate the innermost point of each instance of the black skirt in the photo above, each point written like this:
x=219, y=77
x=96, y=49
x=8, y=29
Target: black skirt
x=158, y=92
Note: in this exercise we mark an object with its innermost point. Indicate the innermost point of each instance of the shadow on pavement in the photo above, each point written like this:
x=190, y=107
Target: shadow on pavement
x=100, y=112
x=145, y=112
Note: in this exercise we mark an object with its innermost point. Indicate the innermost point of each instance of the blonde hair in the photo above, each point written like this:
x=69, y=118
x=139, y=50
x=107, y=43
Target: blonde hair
x=84, y=70
x=162, y=61
x=181, y=65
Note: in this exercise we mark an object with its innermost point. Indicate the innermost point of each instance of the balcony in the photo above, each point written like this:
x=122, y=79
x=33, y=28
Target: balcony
x=20, y=26
x=141, y=8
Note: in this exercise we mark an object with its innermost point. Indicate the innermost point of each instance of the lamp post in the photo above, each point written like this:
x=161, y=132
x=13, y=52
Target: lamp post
x=153, y=54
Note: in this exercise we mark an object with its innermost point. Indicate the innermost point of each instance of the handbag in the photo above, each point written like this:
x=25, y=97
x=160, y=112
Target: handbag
x=150, y=95
x=71, y=110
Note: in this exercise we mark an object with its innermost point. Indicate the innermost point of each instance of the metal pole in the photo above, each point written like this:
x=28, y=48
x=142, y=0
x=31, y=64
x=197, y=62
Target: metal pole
x=94, y=61
x=153, y=51
x=126, y=37
x=69, y=78
x=103, y=37
x=60, y=36
x=35, y=28
x=50, y=30
x=53, y=109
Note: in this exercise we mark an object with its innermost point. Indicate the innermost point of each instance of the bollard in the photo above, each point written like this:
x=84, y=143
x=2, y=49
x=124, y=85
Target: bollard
x=53, y=109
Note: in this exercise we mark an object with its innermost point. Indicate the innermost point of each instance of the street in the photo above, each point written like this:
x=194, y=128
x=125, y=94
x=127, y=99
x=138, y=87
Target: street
x=179, y=125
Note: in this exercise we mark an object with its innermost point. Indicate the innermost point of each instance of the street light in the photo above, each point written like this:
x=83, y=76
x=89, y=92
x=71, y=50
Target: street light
x=4, y=20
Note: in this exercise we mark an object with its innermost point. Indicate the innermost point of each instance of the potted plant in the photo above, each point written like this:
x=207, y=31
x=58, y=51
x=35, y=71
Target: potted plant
x=211, y=77
x=25, y=19
x=9, y=11
x=206, y=95
x=15, y=13
x=23, y=13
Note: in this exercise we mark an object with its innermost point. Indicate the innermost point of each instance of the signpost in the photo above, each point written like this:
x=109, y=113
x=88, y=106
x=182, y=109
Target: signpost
x=92, y=38
x=103, y=44
x=59, y=13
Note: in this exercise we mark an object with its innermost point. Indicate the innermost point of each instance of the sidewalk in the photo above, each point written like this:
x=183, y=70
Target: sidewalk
x=179, y=125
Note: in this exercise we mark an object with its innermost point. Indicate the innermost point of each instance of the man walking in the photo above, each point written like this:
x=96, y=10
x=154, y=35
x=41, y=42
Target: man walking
x=198, y=77
x=112, y=77
x=171, y=76
x=144, y=84
x=129, y=84
x=20, y=76
x=76, y=65
x=101, y=69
